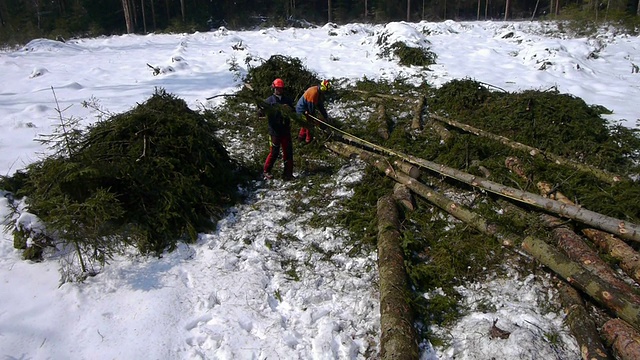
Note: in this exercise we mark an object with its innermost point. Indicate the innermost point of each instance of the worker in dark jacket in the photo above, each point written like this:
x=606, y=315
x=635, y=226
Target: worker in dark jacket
x=279, y=131
x=311, y=101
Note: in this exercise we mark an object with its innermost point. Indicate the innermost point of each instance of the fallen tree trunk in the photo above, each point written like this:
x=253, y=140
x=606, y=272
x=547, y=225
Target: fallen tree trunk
x=616, y=248
x=621, y=228
x=581, y=325
x=398, y=336
x=456, y=210
x=606, y=295
x=578, y=251
x=622, y=338
x=403, y=196
x=598, y=173
x=416, y=122
x=382, y=120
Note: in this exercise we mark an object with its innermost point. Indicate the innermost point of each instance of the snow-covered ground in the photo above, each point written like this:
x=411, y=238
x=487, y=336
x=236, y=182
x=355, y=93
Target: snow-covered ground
x=252, y=289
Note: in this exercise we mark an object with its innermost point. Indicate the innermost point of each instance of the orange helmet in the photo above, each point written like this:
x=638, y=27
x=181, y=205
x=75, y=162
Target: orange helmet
x=277, y=83
x=325, y=85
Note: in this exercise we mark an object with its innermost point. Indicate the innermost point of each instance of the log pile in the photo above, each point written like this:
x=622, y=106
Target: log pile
x=580, y=268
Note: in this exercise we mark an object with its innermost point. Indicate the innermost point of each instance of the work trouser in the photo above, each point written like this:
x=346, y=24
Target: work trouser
x=280, y=142
x=305, y=133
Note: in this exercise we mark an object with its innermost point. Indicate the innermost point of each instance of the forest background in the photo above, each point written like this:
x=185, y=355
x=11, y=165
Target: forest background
x=23, y=20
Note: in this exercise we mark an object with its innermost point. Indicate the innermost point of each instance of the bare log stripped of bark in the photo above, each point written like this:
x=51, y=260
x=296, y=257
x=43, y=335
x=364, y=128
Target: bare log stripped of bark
x=622, y=338
x=600, y=174
x=616, y=248
x=398, y=336
x=582, y=326
x=403, y=196
x=607, y=296
x=621, y=228
x=578, y=251
x=416, y=122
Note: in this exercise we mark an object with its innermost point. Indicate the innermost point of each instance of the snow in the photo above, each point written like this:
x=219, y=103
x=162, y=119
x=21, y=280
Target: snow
x=252, y=289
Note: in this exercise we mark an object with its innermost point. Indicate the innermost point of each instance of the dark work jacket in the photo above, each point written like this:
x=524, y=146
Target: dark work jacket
x=279, y=125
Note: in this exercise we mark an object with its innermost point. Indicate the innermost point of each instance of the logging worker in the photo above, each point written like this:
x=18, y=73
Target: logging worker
x=279, y=131
x=310, y=102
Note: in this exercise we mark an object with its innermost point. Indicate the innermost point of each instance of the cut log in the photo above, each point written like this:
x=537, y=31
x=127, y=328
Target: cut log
x=611, y=298
x=446, y=204
x=513, y=164
x=485, y=172
x=606, y=295
x=578, y=251
x=442, y=132
x=407, y=168
x=382, y=120
x=622, y=338
x=616, y=248
x=598, y=173
x=403, y=196
x=621, y=228
x=416, y=123
x=552, y=193
x=398, y=336
x=581, y=325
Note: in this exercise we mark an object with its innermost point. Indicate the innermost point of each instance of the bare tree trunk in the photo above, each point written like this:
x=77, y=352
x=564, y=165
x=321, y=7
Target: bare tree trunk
x=609, y=297
x=398, y=336
x=621, y=228
x=578, y=251
x=2, y=23
x=550, y=7
x=629, y=258
x=166, y=4
x=458, y=211
x=366, y=10
x=535, y=9
x=598, y=173
x=144, y=17
x=183, y=11
x=329, y=10
x=478, y=14
x=506, y=10
x=624, y=339
x=581, y=325
x=486, y=9
x=127, y=16
x=408, y=10
x=153, y=15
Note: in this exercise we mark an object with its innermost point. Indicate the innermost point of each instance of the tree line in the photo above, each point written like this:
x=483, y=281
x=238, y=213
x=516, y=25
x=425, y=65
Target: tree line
x=22, y=20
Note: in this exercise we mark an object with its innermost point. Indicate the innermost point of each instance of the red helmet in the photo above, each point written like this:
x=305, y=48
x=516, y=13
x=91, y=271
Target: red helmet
x=277, y=83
